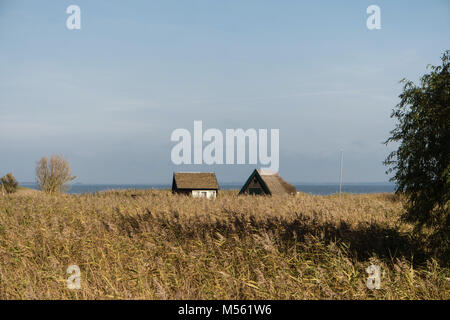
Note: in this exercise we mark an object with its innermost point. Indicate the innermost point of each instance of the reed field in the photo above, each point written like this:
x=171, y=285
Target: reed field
x=151, y=244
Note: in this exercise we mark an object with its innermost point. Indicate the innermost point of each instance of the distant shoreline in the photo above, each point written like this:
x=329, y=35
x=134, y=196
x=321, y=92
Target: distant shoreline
x=315, y=189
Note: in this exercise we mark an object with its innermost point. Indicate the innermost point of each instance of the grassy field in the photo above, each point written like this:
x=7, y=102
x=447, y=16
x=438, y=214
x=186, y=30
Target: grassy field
x=162, y=246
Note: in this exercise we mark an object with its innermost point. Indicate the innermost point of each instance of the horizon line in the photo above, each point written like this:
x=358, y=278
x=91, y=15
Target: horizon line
x=223, y=183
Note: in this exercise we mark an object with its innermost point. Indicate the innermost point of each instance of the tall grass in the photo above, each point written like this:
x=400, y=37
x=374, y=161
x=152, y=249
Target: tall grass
x=156, y=245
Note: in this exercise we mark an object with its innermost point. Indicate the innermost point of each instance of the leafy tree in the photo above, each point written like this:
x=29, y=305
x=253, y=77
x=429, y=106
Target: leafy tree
x=52, y=176
x=9, y=183
x=421, y=164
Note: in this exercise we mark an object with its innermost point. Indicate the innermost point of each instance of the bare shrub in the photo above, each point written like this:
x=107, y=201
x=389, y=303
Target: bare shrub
x=53, y=175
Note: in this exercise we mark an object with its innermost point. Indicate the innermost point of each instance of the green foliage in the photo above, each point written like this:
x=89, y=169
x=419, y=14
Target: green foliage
x=422, y=161
x=9, y=183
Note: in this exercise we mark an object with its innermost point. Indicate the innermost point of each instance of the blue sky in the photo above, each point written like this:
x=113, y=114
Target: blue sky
x=108, y=96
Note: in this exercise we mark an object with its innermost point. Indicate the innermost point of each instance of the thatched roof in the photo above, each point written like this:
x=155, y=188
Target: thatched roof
x=271, y=182
x=195, y=180
x=275, y=183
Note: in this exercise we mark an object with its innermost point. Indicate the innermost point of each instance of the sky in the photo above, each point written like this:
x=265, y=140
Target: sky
x=108, y=96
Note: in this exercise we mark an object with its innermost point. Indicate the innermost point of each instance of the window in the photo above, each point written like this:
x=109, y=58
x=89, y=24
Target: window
x=255, y=191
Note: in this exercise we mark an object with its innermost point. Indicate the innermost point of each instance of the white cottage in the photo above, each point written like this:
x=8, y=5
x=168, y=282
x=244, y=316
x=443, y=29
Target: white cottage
x=197, y=184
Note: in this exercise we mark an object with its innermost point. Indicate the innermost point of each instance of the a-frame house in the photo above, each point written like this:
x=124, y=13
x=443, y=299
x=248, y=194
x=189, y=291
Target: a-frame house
x=266, y=183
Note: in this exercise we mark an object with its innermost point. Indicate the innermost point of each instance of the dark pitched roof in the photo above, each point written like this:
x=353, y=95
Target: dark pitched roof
x=271, y=182
x=195, y=180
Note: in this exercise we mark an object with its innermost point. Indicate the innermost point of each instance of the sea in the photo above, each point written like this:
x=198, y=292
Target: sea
x=312, y=188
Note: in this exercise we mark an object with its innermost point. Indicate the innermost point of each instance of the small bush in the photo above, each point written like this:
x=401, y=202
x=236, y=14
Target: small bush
x=9, y=183
x=53, y=175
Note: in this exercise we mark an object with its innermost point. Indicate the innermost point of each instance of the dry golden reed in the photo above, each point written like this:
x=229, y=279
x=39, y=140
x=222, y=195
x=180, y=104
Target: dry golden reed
x=156, y=245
